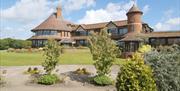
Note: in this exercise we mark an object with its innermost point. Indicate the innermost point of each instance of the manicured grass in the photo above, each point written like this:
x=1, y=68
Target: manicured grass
x=73, y=56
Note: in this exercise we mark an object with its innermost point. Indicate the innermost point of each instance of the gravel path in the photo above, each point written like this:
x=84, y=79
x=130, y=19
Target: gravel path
x=17, y=81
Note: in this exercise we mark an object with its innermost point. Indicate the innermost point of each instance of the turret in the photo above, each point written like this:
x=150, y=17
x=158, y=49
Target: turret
x=134, y=19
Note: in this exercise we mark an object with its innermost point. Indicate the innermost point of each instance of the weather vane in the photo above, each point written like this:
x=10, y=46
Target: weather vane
x=135, y=2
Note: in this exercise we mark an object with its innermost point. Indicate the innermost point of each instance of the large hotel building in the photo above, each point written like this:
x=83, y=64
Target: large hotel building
x=127, y=33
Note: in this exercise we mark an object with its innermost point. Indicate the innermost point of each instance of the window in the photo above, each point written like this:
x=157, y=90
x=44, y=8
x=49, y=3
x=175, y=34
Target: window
x=82, y=42
x=64, y=34
x=122, y=31
x=131, y=46
x=122, y=46
x=67, y=34
x=39, y=43
x=113, y=31
x=81, y=33
x=45, y=32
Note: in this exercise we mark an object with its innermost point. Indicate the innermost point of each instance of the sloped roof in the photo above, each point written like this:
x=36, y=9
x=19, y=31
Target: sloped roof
x=164, y=34
x=120, y=23
x=103, y=24
x=54, y=23
x=46, y=37
x=133, y=36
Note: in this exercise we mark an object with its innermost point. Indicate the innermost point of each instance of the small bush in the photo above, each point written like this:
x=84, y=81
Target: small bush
x=48, y=79
x=34, y=71
x=29, y=69
x=165, y=62
x=4, y=71
x=135, y=76
x=144, y=49
x=82, y=71
x=2, y=81
x=102, y=80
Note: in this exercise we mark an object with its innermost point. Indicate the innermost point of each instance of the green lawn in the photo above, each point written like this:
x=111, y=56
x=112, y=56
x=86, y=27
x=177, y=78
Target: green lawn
x=75, y=56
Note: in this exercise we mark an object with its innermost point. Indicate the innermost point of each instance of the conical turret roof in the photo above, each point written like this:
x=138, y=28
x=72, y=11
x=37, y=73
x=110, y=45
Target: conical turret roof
x=133, y=9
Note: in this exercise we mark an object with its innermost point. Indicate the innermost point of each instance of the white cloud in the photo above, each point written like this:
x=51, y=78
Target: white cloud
x=169, y=24
x=17, y=20
x=72, y=5
x=113, y=11
x=145, y=9
x=174, y=21
x=25, y=11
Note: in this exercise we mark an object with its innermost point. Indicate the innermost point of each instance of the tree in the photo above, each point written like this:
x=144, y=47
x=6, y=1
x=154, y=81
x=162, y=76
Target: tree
x=14, y=43
x=135, y=76
x=165, y=62
x=52, y=53
x=103, y=50
x=3, y=44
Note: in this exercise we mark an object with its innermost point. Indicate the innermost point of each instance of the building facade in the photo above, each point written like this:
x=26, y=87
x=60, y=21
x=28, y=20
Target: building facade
x=128, y=33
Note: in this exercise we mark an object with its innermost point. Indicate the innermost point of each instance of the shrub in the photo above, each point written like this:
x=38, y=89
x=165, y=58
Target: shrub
x=102, y=80
x=165, y=62
x=144, y=48
x=4, y=71
x=2, y=81
x=82, y=71
x=52, y=53
x=103, y=50
x=135, y=76
x=48, y=79
x=34, y=71
x=29, y=69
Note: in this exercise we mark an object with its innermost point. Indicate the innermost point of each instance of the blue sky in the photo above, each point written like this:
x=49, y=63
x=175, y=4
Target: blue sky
x=18, y=17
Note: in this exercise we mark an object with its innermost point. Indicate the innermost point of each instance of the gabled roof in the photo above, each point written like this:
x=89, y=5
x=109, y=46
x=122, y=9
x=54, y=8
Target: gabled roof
x=54, y=23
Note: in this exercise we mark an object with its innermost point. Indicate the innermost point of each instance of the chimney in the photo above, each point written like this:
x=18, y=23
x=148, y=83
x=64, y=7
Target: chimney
x=59, y=12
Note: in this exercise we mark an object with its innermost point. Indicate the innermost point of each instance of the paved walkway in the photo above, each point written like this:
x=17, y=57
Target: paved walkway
x=17, y=81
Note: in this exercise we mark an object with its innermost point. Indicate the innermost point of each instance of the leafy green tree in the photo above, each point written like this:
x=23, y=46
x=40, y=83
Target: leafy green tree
x=26, y=44
x=52, y=53
x=135, y=76
x=4, y=44
x=165, y=62
x=103, y=50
